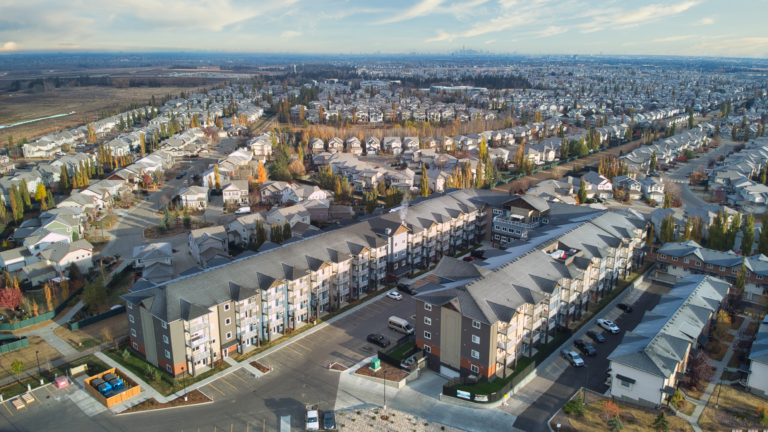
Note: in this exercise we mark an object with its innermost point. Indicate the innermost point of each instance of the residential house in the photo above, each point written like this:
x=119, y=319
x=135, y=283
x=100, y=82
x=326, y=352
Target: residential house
x=207, y=243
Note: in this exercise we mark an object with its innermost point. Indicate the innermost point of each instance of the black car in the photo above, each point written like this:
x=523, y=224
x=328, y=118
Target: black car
x=144, y=192
x=408, y=289
x=586, y=348
x=625, y=307
x=328, y=421
x=595, y=336
x=378, y=340
x=179, y=176
x=477, y=253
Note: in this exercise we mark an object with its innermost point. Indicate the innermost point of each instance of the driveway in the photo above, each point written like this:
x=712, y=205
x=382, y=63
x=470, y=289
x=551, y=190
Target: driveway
x=545, y=394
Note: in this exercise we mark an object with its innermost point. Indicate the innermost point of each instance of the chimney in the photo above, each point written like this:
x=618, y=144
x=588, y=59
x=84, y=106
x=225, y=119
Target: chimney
x=388, y=231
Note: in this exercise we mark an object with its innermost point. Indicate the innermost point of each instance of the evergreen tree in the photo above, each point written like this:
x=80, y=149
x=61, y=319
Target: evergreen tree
x=748, y=235
x=667, y=200
x=661, y=423
x=582, y=194
x=216, y=177
x=64, y=179
x=762, y=241
x=763, y=176
x=652, y=166
x=716, y=239
x=16, y=207
x=733, y=231
x=51, y=203
x=687, y=231
x=40, y=193
x=3, y=213
x=286, y=231
x=424, y=190
x=24, y=189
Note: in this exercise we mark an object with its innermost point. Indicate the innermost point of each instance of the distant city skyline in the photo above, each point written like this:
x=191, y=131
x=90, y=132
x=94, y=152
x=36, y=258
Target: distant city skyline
x=610, y=27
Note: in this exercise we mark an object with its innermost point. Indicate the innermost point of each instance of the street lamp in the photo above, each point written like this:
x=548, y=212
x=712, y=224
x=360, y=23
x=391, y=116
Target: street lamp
x=586, y=378
x=385, y=390
x=185, y=385
x=38, y=361
x=719, y=389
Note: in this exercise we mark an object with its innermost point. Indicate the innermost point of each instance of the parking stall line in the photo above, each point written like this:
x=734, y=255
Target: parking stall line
x=46, y=387
x=211, y=386
x=240, y=378
x=9, y=410
x=33, y=395
x=377, y=306
x=554, y=363
x=298, y=344
x=289, y=348
x=227, y=383
x=312, y=342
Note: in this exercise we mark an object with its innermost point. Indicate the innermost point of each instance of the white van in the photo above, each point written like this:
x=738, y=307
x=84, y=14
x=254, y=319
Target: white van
x=400, y=325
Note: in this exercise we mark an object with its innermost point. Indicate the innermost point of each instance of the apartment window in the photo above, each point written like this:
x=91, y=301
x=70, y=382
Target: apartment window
x=662, y=256
x=228, y=321
x=496, y=237
x=734, y=271
x=545, y=220
x=167, y=354
x=130, y=318
x=686, y=261
x=709, y=266
x=427, y=306
x=674, y=258
x=168, y=368
x=722, y=268
x=474, y=369
x=130, y=306
x=135, y=346
x=497, y=227
x=698, y=263
x=395, y=266
x=427, y=335
x=427, y=321
x=759, y=277
x=133, y=332
x=229, y=335
x=475, y=339
x=164, y=324
x=427, y=349
x=749, y=274
x=165, y=339
x=625, y=384
x=475, y=354
x=476, y=324
x=226, y=307
x=496, y=211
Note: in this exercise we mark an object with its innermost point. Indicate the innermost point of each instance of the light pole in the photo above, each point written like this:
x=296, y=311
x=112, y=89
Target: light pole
x=385, y=390
x=185, y=386
x=586, y=378
x=719, y=389
x=38, y=361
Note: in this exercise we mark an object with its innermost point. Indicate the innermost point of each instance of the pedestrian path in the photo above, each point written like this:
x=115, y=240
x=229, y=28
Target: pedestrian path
x=719, y=368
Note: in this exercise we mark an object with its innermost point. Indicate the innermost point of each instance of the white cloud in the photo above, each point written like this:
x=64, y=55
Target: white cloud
x=290, y=34
x=754, y=46
x=623, y=19
x=426, y=7
x=674, y=38
x=490, y=41
x=10, y=46
x=550, y=31
x=704, y=21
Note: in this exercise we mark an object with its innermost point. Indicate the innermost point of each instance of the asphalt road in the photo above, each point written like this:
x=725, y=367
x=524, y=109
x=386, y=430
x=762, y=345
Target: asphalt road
x=552, y=393
x=299, y=377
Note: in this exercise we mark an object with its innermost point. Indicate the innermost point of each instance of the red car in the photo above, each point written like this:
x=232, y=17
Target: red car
x=468, y=259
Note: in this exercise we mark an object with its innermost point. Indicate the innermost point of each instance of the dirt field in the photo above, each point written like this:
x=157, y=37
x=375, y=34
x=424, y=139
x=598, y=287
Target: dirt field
x=27, y=356
x=94, y=334
x=85, y=101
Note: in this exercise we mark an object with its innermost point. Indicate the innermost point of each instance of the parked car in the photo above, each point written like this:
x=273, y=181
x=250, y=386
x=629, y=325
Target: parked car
x=406, y=288
x=180, y=175
x=378, y=340
x=312, y=421
x=478, y=253
x=144, y=192
x=394, y=295
x=608, y=325
x=595, y=336
x=625, y=307
x=572, y=357
x=586, y=348
x=329, y=422
x=243, y=210
x=468, y=259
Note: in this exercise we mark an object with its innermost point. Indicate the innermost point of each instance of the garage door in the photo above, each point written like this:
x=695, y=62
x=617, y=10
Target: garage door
x=450, y=373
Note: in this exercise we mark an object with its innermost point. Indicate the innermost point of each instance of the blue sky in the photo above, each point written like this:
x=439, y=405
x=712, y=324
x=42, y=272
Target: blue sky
x=672, y=27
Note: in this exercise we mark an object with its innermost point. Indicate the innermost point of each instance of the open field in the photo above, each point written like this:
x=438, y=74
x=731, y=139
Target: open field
x=45, y=353
x=85, y=101
x=93, y=335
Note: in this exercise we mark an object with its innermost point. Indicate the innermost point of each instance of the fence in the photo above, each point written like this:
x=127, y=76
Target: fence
x=40, y=318
x=415, y=351
x=94, y=319
x=10, y=346
x=131, y=389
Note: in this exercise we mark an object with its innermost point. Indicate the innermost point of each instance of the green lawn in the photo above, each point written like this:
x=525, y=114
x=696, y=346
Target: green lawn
x=165, y=386
x=398, y=353
x=95, y=366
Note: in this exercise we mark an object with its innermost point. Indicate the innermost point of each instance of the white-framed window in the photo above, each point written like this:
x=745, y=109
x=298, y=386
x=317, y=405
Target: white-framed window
x=625, y=384
x=476, y=324
x=427, y=321
x=226, y=307
x=709, y=266
x=722, y=268
x=674, y=258
x=133, y=332
x=496, y=237
x=734, y=271
x=497, y=227
x=474, y=368
x=427, y=335
x=229, y=335
x=698, y=263
x=395, y=266
x=759, y=277
x=130, y=318
x=164, y=324
x=135, y=346
x=427, y=349
x=130, y=306
x=475, y=354
x=475, y=339
x=497, y=211
x=228, y=321
x=749, y=274
x=427, y=306
x=167, y=354
x=165, y=339
x=662, y=256
x=168, y=368
x=686, y=261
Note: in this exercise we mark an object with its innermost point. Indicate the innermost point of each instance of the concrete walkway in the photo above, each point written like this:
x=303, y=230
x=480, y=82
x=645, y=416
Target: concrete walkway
x=720, y=367
x=147, y=391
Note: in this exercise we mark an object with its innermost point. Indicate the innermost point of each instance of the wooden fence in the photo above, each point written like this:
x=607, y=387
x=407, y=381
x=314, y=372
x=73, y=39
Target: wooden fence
x=131, y=389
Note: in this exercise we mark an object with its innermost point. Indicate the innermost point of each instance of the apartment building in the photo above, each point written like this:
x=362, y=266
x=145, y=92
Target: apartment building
x=478, y=319
x=188, y=323
x=651, y=359
x=675, y=261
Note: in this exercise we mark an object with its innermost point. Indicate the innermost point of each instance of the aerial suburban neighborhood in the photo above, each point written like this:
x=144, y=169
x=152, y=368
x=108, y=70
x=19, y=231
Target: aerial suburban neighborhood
x=205, y=227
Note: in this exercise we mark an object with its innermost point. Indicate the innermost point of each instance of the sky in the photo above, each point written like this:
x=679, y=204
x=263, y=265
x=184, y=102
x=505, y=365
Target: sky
x=664, y=27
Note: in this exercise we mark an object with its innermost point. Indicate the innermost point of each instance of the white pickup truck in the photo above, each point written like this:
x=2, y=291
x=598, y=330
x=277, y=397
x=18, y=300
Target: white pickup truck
x=313, y=420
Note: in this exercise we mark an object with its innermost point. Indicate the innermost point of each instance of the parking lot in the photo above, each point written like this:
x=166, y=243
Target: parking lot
x=559, y=381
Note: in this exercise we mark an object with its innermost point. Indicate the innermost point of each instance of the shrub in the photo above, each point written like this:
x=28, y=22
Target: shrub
x=574, y=407
x=156, y=375
x=677, y=400
x=126, y=354
x=610, y=409
x=762, y=415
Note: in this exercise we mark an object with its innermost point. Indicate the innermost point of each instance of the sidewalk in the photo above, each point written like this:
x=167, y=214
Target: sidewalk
x=147, y=391
x=720, y=367
x=46, y=333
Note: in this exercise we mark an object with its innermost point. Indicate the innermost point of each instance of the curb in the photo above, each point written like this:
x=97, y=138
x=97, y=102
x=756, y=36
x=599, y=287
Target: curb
x=165, y=409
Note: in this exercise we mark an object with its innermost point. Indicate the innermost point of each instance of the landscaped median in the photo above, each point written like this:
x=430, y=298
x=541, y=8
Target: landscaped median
x=736, y=410
x=493, y=390
x=94, y=365
x=154, y=377
x=308, y=326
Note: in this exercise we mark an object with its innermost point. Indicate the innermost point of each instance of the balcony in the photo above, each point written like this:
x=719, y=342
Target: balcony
x=341, y=280
x=509, y=330
x=196, y=341
x=501, y=359
x=505, y=345
x=195, y=328
x=515, y=222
